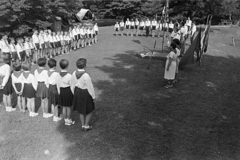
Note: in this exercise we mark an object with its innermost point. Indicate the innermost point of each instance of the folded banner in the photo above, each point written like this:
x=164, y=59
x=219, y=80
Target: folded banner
x=188, y=57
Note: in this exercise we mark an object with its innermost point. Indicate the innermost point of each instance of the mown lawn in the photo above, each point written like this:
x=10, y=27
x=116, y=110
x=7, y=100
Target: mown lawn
x=135, y=116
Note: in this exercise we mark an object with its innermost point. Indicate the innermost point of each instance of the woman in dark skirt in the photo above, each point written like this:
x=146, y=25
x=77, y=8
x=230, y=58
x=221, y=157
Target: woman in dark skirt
x=83, y=94
x=6, y=82
x=65, y=93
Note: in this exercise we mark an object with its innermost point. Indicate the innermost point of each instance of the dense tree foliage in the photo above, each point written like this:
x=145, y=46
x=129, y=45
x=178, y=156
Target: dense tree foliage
x=21, y=15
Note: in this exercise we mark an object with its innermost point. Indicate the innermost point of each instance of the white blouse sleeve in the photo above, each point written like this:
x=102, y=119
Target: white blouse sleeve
x=7, y=71
x=33, y=81
x=90, y=86
x=73, y=82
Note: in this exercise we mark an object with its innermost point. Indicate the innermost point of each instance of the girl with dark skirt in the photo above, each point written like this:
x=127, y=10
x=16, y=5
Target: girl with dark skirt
x=96, y=30
x=17, y=83
x=65, y=93
x=84, y=95
x=121, y=27
x=132, y=26
x=52, y=91
x=29, y=89
x=6, y=84
x=116, y=28
x=142, y=27
x=127, y=26
x=154, y=27
x=137, y=26
x=41, y=76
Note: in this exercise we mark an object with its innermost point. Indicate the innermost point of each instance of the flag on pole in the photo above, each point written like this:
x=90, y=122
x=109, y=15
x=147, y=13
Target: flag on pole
x=205, y=37
x=188, y=57
x=164, y=10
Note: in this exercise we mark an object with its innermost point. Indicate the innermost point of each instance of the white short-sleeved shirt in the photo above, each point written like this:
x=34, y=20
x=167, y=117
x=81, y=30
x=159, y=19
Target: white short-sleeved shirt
x=147, y=23
x=52, y=78
x=35, y=38
x=27, y=46
x=50, y=37
x=171, y=25
x=127, y=23
x=95, y=28
x=19, y=48
x=46, y=39
x=121, y=24
x=41, y=76
x=16, y=79
x=137, y=23
x=4, y=46
x=154, y=23
x=41, y=39
x=189, y=23
x=183, y=31
x=30, y=80
x=12, y=47
x=63, y=81
x=142, y=24
x=132, y=23
x=194, y=29
x=116, y=26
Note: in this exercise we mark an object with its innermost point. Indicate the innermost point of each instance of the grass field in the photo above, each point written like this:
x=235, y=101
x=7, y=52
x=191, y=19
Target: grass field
x=135, y=116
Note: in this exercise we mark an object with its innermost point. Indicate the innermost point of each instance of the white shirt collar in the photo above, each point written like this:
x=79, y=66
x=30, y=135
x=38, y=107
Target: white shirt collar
x=81, y=69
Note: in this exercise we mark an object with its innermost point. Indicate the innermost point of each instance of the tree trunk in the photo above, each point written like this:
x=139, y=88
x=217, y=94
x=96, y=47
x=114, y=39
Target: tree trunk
x=230, y=16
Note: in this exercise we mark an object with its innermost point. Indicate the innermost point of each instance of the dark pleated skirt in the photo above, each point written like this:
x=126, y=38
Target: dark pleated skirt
x=66, y=97
x=53, y=95
x=8, y=89
x=42, y=90
x=18, y=86
x=82, y=101
x=28, y=91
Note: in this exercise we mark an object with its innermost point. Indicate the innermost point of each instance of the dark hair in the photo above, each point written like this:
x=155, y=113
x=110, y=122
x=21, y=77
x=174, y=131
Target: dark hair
x=177, y=42
x=81, y=63
x=17, y=66
x=52, y=63
x=63, y=64
x=173, y=45
x=26, y=66
x=42, y=62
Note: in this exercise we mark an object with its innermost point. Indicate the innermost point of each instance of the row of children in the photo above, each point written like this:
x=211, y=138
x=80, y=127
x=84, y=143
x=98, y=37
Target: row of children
x=56, y=90
x=144, y=27
x=46, y=43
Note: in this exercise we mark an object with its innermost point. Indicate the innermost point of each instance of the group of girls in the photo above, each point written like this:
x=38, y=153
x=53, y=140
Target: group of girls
x=45, y=43
x=60, y=92
x=50, y=44
x=143, y=27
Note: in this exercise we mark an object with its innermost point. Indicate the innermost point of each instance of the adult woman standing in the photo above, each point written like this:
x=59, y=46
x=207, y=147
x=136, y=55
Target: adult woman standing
x=171, y=65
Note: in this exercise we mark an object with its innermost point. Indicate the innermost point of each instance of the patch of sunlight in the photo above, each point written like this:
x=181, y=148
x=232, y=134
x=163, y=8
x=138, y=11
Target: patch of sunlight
x=151, y=123
x=159, y=94
x=211, y=84
x=128, y=66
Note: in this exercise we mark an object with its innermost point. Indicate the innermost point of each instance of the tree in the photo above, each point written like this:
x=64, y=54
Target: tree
x=229, y=8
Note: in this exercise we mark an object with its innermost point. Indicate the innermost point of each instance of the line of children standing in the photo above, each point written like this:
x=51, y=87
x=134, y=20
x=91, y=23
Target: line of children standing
x=70, y=91
x=45, y=43
x=147, y=27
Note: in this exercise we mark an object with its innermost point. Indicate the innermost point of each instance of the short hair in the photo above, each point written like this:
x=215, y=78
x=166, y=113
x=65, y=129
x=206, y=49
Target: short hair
x=81, y=63
x=26, y=66
x=42, y=62
x=63, y=64
x=173, y=45
x=52, y=63
x=177, y=42
x=17, y=66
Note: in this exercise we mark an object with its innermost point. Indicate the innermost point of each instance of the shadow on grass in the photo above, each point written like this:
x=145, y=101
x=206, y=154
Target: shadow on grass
x=137, y=118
